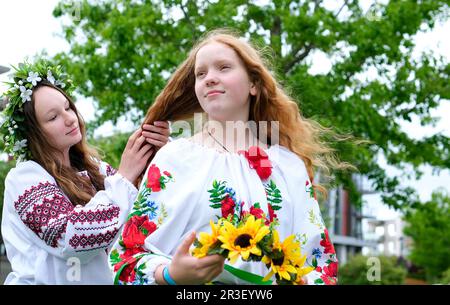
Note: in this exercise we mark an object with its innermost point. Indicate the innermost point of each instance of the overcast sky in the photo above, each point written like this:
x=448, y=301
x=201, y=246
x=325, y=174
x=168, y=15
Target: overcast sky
x=27, y=27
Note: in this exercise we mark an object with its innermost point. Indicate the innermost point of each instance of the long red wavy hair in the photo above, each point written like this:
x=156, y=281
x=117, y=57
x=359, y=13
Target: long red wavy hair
x=271, y=104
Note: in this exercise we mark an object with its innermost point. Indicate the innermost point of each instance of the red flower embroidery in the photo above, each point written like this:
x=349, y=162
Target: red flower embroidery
x=326, y=243
x=257, y=212
x=258, y=160
x=128, y=274
x=132, y=251
x=136, y=230
x=319, y=269
x=272, y=214
x=330, y=274
x=153, y=178
x=167, y=174
x=227, y=206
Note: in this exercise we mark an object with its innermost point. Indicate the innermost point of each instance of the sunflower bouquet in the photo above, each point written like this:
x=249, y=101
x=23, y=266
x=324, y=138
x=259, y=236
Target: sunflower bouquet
x=254, y=240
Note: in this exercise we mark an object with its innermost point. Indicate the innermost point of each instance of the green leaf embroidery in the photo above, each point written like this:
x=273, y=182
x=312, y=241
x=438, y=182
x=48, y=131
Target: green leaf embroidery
x=163, y=214
x=318, y=281
x=114, y=257
x=216, y=206
x=314, y=262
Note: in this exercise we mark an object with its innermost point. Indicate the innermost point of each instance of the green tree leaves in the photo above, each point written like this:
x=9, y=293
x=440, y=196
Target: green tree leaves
x=429, y=227
x=124, y=51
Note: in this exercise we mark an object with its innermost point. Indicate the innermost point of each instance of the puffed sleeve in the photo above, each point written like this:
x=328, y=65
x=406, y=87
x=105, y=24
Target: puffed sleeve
x=37, y=207
x=106, y=169
x=308, y=224
x=159, y=217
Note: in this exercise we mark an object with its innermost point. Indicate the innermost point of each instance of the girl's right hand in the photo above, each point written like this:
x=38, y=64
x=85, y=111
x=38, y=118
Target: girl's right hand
x=135, y=156
x=188, y=270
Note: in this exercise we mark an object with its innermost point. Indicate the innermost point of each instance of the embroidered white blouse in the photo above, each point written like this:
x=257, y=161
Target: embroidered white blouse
x=48, y=240
x=175, y=198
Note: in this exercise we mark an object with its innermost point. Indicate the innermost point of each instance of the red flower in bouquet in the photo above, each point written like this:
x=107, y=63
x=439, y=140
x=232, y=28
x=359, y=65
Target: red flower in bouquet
x=136, y=230
x=154, y=178
x=272, y=214
x=227, y=206
x=258, y=160
x=257, y=212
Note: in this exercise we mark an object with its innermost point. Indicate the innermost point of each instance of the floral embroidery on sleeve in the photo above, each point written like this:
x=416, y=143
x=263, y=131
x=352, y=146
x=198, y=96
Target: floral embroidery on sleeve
x=310, y=190
x=327, y=255
x=145, y=218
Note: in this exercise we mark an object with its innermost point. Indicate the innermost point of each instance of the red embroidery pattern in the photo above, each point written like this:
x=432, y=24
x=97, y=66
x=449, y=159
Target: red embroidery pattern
x=43, y=209
x=79, y=242
x=95, y=216
x=110, y=171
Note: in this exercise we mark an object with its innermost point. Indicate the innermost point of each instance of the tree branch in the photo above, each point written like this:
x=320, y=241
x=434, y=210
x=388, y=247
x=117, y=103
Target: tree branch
x=275, y=36
x=186, y=17
x=343, y=5
x=298, y=57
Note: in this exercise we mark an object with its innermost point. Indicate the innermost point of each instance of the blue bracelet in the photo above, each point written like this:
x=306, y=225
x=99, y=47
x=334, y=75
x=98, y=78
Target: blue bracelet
x=167, y=277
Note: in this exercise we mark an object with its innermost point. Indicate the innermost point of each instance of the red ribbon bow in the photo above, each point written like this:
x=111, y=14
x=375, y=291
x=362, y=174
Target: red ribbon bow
x=258, y=160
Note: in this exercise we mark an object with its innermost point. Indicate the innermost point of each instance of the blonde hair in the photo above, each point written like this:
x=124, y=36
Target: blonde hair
x=271, y=104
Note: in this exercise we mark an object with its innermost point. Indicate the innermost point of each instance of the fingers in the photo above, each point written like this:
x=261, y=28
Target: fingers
x=145, y=149
x=138, y=144
x=212, y=272
x=157, y=143
x=156, y=129
x=211, y=260
x=183, y=249
x=133, y=138
x=155, y=136
x=163, y=124
x=149, y=154
x=162, y=129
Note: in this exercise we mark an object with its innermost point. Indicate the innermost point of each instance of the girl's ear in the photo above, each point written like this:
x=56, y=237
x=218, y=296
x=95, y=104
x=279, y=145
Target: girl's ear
x=253, y=89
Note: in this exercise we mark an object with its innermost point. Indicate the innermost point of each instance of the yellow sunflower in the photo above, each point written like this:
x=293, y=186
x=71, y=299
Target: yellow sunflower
x=301, y=270
x=207, y=240
x=243, y=240
x=290, y=254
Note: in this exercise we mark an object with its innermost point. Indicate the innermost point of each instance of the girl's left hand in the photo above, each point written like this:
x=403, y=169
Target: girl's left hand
x=156, y=134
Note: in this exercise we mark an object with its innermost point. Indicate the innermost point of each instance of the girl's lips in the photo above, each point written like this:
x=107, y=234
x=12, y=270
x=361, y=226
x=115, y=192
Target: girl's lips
x=214, y=92
x=72, y=131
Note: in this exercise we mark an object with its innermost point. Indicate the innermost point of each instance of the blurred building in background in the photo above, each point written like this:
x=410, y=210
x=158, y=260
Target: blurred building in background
x=388, y=236
x=355, y=230
x=344, y=222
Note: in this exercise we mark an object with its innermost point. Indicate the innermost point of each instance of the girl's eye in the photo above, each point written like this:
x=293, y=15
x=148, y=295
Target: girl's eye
x=200, y=74
x=52, y=118
x=224, y=68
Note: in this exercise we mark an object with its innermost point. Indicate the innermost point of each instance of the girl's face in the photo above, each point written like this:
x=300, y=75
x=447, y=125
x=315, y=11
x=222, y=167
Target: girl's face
x=222, y=84
x=58, y=121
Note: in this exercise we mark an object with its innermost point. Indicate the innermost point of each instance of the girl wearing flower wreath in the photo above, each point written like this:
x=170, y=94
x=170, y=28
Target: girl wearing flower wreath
x=194, y=181
x=63, y=207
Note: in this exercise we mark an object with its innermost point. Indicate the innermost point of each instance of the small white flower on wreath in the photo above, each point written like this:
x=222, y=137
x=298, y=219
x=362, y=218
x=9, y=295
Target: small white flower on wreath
x=19, y=145
x=33, y=77
x=60, y=84
x=50, y=77
x=2, y=119
x=25, y=94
